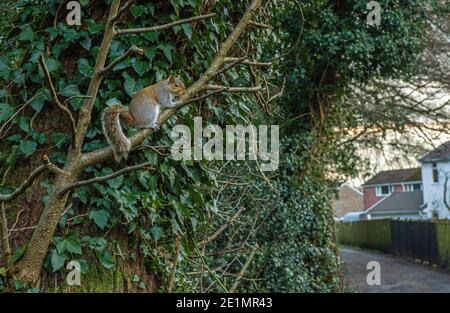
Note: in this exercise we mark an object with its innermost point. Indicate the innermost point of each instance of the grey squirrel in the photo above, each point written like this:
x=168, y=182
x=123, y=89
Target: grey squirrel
x=144, y=110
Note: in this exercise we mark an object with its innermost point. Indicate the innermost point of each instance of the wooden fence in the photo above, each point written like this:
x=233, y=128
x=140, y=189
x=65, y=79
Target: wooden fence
x=423, y=240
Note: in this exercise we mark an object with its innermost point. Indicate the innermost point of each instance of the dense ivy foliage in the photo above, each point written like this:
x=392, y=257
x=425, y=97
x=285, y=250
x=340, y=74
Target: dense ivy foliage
x=287, y=212
x=337, y=48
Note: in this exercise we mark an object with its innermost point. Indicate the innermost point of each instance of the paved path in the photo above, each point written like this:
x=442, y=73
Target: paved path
x=397, y=275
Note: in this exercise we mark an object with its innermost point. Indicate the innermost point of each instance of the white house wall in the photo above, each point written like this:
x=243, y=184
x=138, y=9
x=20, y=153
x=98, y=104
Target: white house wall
x=433, y=193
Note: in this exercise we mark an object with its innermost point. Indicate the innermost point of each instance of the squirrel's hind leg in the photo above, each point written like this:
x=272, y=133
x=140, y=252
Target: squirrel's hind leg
x=153, y=121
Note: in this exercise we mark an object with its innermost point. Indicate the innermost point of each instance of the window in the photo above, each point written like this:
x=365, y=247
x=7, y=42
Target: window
x=413, y=187
x=384, y=190
x=435, y=173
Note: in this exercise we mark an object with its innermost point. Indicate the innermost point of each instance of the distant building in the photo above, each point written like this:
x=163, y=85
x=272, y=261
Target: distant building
x=349, y=200
x=413, y=193
x=436, y=181
x=386, y=183
x=398, y=205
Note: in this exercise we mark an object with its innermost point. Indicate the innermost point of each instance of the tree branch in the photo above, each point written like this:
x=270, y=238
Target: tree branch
x=207, y=95
x=234, y=89
x=132, y=50
x=29, y=181
x=121, y=11
x=243, y=270
x=103, y=178
x=223, y=227
x=164, y=26
x=445, y=192
x=6, y=248
x=75, y=97
x=174, y=265
x=247, y=62
x=259, y=25
x=55, y=97
x=235, y=62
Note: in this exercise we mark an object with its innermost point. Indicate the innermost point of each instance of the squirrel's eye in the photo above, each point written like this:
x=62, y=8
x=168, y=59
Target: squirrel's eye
x=176, y=85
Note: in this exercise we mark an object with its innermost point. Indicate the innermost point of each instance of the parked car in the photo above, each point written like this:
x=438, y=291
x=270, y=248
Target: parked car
x=353, y=217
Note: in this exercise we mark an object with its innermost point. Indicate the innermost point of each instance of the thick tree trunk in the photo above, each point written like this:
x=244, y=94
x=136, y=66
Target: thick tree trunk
x=129, y=275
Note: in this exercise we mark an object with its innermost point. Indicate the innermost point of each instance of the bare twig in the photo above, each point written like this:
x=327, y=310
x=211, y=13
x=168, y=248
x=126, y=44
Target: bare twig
x=235, y=62
x=55, y=97
x=243, y=270
x=164, y=26
x=207, y=95
x=104, y=178
x=75, y=97
x=174, y=265
x=259, y=25
x=132, y=50
x=29, y=181
x=223, y=227
x=234, y=89
x=247, y=62
x=23, y=106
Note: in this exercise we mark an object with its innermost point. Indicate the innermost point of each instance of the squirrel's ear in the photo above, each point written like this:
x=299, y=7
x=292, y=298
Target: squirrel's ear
x=171, y=79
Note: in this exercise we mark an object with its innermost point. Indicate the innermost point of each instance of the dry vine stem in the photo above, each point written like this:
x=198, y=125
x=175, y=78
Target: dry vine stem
x=28, y=269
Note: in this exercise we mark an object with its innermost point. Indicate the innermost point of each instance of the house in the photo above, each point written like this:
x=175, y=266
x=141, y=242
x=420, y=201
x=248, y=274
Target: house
x=399, y=205
x=386, y=183
x=436, y=181
x=348, y=200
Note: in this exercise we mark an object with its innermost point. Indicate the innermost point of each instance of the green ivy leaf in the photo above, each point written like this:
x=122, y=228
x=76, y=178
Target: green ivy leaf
x=6, y=111
x=57, y=260
x=61, y=246
x=187, y=28
x=28, y=147
x=141, y=67
x=52, y=64
x=11, y=159
x=86, y=43
x=150, y=53
x=130, y=84
x=152, y=36
x=38, y=103
x=96, y=243
x=136, y=10
x=70, y=90
x=70, y=34
x=84, y=68
x=14, y=138
x=157, y=232
x=73, y=246
x=27, y=34
x=107, y=259
x=100, y=217
x=116, y=182
x=167, y=50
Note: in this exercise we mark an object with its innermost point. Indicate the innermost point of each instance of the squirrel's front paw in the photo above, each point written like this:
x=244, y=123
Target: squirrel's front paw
x=155, y=126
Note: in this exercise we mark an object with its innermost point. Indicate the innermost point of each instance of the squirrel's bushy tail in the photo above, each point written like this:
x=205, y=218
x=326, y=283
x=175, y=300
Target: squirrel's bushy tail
x=112, y=129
